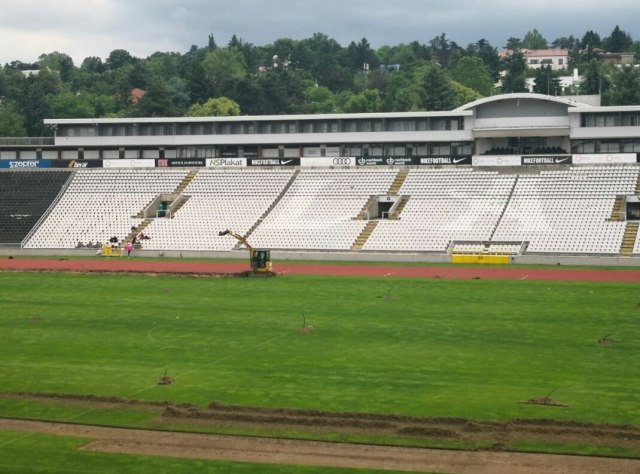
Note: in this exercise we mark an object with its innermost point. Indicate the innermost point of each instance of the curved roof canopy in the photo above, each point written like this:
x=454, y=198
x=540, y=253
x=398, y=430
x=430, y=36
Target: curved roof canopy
x=520, y=95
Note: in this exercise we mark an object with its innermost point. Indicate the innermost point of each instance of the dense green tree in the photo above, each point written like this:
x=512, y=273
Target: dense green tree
x=444, y=51
x=514, y=79
x=318, y=100
x=34, y=104
x=489, y=56
x=463, y=94
x=547, y=81
x=619, y=41
x=93, y=64
x=119, y=58
x=325, y=66
x=472, y=72
x=513, y=43
x=57, y=62
x=534, y=40
x=223, y=68
x=214, y=107
x=437, y=92
x=402, y=92
x=590, y=40
x=564, y=42
x=594, y=81
x=70, y=105
x=156, y=102
x=625, y=86
x=366, y=101
x=12, y=122
x=359, y=54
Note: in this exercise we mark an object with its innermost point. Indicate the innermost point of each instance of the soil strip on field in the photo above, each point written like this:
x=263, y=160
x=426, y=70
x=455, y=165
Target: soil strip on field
x=314, y=453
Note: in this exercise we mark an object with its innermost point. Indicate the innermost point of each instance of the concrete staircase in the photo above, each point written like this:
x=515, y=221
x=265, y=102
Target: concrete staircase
x=362, y=215
x=395, y=215
x=616, y=213
x=135, y=232
x=364, y=236
x=186, y=181
x=398, y=182
x=629, y=239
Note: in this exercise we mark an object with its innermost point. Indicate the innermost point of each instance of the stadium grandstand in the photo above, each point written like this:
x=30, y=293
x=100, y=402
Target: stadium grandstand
x=517, y=175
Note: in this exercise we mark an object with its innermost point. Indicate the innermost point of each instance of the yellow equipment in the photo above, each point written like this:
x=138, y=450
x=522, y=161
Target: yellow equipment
x=260, y=259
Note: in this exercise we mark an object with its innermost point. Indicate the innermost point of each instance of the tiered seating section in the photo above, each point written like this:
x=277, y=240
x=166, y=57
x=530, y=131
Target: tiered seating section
x=100, y=204
x=561, y=211
x=24, y=198
x=444, y=205
x=319, y=209
x=219, y=200
x=568, y=211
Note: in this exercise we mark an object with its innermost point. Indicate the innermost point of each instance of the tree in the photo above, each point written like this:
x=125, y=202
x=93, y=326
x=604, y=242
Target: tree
x=534, y=40
x=214, y=107
x=57, y=62
x=514, y=79
x=594, y=81
x=473, y=73
x=70, y=105
x=444, y=51
x=367, y=101
x=318, y=100
x=12, y=122
x=437, y=91
x=489, y=56
x=463, y=94
x=625, y=86
x=513, y=43
x=619, y=41
x=223, y=68
x=119, y=58
x=591, y=40
x=34, y=104
x=564, y=42
x=547, y=81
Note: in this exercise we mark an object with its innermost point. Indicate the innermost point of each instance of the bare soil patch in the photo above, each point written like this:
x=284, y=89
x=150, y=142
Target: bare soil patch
x=494, y=435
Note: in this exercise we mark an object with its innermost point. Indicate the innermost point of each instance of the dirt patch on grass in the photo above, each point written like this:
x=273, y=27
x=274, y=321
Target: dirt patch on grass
x=495, y=437
x=415, y=429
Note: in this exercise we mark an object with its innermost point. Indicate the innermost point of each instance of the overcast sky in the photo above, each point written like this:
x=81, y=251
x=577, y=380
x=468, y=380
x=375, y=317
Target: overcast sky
x=81, y=28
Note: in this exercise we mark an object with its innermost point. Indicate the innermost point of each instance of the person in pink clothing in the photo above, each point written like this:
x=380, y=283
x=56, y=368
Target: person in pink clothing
x=129, y=248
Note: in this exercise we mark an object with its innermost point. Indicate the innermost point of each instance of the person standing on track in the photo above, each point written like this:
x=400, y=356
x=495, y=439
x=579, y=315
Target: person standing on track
x=129, y=248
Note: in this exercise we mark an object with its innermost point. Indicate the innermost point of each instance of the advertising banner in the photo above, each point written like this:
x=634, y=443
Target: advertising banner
x=25, y=164
x=444, y=160
x=496, y=160
x=273, y=162
x=385, y=160
x=76, y=163
x=180, y=162
x=226, y=162
x=546, y=160
x=605, y=158
x=129, y=163
x=327, y=161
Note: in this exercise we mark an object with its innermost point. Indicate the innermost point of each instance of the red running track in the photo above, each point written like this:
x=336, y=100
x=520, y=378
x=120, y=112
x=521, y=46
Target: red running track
x=134, y=265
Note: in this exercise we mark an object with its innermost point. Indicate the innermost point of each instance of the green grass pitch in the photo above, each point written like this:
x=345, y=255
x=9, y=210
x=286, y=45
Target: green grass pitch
x=404, y=346
x=420, y=347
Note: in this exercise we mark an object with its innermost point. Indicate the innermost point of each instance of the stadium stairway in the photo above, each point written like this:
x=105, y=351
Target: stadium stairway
x=395, y=215
x=364, y=236
x=629, y=239
x=504, y=209
x=135, y=231
x=616, y=213
x=363, y=214
x=399, y=181
x=186, y=181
